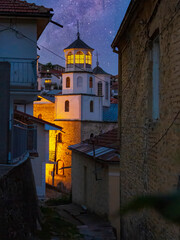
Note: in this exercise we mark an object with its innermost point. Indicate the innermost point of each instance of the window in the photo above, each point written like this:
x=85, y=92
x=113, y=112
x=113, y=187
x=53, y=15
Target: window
x=91, y=106
x=155, y=78
x=47, y=80
x=91, y=82
x=99, y=89
x=79, y=82
x=79, y=58
x=106, y=90
x=67, y=106
x=70, y=58
x=40, y=116
x=59, y=138
x=67, y=82
x=88, y=59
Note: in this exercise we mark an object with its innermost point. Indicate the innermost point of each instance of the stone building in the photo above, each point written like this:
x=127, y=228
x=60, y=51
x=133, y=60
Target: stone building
x=78, y=110
x=148, y=45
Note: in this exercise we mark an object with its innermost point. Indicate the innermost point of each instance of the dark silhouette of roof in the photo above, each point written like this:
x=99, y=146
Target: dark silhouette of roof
x=17, y=7
x=99, y=70
x=78, y=43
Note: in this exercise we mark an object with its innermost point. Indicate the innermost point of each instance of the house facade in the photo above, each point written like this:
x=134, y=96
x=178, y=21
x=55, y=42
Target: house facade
x=95, y=176
x=148, y=43
x=21, y=24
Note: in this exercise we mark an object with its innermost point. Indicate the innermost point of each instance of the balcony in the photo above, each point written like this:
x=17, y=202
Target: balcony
x=24, y=140
x=23, y=73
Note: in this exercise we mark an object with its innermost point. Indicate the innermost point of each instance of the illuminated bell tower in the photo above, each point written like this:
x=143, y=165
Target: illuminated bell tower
x=79, y=100
x=78, y=76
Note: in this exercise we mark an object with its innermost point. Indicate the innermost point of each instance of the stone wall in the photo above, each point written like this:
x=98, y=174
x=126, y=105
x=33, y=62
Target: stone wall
x=90, y=127
x=145, y=167
x=18, y=203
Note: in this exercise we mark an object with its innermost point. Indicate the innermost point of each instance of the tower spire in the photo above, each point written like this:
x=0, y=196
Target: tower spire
x=97, y=63
x=78, y=34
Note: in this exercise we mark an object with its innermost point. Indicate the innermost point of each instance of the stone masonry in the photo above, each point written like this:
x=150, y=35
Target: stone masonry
x=150, y=150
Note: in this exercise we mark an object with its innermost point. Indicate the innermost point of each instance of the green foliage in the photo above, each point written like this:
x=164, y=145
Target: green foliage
x=58, y=201
x=167, y=205
x=54, y=225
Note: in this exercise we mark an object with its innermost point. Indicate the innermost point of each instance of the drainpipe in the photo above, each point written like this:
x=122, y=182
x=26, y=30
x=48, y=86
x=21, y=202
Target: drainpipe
x=120, y=128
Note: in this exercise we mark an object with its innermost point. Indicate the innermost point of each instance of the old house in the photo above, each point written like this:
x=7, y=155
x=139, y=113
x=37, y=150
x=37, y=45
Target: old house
x=21, y=24
x=148, y=45
x=95, y=175
x=49, y=78
x=40, y=149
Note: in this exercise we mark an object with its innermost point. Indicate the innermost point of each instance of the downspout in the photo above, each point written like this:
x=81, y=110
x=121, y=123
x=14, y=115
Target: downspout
x=120, y=129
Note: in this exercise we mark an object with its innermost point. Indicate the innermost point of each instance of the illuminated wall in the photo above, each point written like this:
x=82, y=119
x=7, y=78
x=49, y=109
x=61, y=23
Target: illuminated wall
x=74, y=132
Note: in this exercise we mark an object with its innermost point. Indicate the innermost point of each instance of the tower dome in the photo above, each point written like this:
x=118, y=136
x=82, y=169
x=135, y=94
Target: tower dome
x=78, y=56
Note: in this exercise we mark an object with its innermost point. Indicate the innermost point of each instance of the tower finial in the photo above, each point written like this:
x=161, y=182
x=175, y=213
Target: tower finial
x=97, y=58
x=78, y=34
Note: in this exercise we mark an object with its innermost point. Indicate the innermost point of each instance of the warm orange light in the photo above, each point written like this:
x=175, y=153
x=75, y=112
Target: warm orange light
x=47, y=80
x=79, y=58
x=88, y=58
x=70, y=58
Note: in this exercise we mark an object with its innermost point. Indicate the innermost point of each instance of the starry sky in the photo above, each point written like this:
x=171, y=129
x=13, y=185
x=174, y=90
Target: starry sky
x=99, y=21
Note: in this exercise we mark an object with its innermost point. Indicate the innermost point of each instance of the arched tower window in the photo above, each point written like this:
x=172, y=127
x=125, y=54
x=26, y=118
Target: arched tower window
x=106, y=90
x=99, y=88
x=91, y=82
x=79, y=81
x=40, y=116
x=79, y=58
x=91, y=106
x=88, y=59
x=70, y=58
x=67, y=82
x=59, y=138
x=67, y=106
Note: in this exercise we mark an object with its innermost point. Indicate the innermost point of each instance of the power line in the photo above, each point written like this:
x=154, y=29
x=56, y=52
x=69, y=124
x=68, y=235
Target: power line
x=166, y=132
x=62, y=58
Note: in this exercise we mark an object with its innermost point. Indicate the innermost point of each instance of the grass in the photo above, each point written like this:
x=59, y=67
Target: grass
x=54, y=225
x=58, y=201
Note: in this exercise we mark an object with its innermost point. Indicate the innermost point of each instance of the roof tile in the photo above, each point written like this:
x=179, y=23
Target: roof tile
x=17, y=6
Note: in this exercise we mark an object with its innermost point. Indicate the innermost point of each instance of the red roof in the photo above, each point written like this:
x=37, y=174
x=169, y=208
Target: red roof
x=18, y=7
x=114, y=100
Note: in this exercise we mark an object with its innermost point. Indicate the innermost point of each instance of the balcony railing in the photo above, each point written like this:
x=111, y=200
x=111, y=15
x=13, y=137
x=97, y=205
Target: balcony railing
x=23, y=72
x=24, y=140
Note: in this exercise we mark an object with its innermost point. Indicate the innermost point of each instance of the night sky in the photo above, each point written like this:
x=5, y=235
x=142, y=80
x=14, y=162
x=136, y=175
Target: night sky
x=99, y=21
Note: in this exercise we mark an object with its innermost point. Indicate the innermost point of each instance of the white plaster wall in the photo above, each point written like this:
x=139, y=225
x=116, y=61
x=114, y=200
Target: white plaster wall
x=26, y=108
x=74, y=107
x=103, y=78
x=96, y=115
x=13, y=45
x=73, y=85
x=38, y=163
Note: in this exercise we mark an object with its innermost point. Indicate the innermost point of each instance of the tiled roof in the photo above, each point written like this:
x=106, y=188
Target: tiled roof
x=106, y=147
x=99, y=70
x=114, y=100
x=24, y=117
x=110, y=114
x=18, y=7
x=114, y=85
x=78, y=43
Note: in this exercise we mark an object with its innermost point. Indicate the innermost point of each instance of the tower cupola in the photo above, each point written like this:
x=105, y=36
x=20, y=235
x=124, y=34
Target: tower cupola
x=78, y=56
